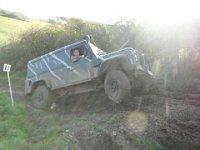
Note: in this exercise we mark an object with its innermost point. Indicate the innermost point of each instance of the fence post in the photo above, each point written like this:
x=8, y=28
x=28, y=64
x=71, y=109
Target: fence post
x=6, y=68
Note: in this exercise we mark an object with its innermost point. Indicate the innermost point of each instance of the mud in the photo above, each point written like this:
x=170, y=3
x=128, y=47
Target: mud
x=91, y=122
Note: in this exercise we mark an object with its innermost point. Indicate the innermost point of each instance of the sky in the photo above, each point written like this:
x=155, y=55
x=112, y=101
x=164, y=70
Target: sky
x=107, y=11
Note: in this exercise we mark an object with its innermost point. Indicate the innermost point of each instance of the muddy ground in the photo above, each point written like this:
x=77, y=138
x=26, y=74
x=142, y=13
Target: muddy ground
x=91, y=121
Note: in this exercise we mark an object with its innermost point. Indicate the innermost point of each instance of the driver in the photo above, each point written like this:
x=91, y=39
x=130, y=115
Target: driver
x=76, y=55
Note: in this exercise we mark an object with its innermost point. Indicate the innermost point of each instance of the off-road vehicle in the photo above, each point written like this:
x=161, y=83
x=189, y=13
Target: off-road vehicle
x=119, y=73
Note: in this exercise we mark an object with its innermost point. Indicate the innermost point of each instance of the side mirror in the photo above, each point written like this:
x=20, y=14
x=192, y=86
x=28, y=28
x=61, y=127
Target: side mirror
x=87, y=38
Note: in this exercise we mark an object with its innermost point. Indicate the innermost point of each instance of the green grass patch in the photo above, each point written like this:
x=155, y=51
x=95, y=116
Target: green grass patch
x=111, y=119
x=17, y=80
x=15, y=126
x=147, y=144
x=19, y=131
x=10, y=28
x=17, y=75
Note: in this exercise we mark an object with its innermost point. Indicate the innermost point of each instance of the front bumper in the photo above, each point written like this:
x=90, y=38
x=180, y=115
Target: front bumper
x=140, y=71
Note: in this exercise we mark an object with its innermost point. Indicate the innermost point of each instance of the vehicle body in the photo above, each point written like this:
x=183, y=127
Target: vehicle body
x=93, y=71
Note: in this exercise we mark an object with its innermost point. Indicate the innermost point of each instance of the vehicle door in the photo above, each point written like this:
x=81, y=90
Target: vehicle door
x=82, y=70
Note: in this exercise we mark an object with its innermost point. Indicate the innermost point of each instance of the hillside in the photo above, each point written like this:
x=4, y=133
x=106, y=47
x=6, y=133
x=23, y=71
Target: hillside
x=166, y=118
x=10, y=28
x=90, y=121
x=14, y=15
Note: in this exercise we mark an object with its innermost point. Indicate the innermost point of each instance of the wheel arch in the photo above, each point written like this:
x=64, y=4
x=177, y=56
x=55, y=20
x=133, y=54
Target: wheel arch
x=119, y=62
x=40, y=82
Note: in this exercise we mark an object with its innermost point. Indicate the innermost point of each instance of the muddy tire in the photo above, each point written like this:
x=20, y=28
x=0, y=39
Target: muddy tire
x=41, y=97
x=117, y=86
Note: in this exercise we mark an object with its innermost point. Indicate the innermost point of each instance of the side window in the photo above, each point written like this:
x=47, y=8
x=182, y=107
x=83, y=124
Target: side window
x=77, y=53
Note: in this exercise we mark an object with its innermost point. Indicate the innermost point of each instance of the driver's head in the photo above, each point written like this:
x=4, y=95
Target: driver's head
x=75, y=52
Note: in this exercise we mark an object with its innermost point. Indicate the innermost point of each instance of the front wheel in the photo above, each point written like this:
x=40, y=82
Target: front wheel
x=41, y=97
x=117, y=86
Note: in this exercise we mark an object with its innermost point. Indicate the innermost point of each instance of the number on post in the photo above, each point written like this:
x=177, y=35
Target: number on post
x=6, y=67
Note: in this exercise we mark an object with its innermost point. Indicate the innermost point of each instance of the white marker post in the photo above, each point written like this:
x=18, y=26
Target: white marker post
x=6, y=68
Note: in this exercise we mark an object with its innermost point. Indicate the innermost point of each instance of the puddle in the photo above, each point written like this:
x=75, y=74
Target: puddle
x=137, y=121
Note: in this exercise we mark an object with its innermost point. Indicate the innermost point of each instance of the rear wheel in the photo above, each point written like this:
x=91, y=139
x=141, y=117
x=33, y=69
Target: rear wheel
x=42, y=97
x=117, y=86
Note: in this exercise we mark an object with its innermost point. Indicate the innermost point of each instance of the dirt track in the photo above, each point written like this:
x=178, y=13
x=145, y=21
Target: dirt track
x=90, y=121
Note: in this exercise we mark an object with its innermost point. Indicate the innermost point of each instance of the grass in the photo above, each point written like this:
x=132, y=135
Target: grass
x=17, y=80
x=111, y=119
x=18, y=131
x=81, y=121
x=15, y=125
x=57, y=127
x=10, y=28
x=147, y=144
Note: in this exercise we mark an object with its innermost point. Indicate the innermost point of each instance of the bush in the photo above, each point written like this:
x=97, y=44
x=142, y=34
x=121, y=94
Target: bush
x=187, y=85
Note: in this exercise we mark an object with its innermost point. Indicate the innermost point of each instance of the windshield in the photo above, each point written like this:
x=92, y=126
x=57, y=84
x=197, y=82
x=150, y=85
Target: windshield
x=97, y=50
